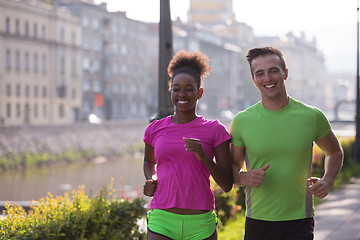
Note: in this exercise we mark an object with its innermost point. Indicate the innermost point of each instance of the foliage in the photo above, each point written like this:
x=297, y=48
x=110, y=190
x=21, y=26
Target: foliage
x=77, y=217
x=234, y=229
x=35, y=159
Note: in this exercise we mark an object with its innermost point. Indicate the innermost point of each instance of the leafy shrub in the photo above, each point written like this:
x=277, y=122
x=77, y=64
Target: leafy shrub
x=30, y=159
x=77, y=217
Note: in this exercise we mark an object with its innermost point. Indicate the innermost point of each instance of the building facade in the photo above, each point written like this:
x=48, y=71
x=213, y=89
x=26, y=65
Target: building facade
x=115, y=62
x=39, y=70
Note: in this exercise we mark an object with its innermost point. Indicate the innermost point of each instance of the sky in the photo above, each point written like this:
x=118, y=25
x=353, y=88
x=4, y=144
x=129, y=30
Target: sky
x=332, y=22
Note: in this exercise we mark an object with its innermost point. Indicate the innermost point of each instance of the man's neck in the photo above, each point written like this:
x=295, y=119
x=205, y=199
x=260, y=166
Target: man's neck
x=275, y=104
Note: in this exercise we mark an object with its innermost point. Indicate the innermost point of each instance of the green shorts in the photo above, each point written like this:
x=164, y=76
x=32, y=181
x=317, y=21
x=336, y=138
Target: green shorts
x=182, y=227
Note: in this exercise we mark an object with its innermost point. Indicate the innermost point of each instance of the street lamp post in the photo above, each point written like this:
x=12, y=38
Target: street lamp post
x=165, y=106
x=357, y=117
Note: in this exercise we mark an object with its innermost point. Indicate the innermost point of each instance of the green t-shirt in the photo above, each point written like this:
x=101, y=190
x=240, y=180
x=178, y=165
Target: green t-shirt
x=283, y=139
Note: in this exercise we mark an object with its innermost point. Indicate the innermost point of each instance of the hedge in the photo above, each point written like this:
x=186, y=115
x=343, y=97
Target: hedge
x=76, y=217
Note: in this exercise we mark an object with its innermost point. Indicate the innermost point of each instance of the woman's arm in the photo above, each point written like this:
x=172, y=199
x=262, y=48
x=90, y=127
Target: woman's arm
x=149, y=171
x=219, y=170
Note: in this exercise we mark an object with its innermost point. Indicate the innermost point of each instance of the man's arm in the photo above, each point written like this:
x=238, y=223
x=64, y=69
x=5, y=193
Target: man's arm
x=253, y=178
x=334, y=156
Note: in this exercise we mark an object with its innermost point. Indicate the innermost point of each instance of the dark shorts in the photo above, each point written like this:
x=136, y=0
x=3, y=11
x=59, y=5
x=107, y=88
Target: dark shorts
x=302, y=229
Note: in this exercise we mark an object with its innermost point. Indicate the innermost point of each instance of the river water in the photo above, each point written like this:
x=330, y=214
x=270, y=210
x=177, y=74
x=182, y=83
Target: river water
x=34, y=184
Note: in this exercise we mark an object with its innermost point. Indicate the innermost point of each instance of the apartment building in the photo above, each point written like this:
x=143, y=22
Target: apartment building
x=115, y=62
x=40, y=77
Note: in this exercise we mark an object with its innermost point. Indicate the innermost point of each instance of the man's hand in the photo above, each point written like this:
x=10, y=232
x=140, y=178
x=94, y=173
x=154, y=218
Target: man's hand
x=319, y=187
x=150, y=187
x=255, y=177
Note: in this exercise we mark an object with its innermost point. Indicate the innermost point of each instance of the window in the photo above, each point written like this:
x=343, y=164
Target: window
x=61, y=111
x=8, y=90
x=73, y=38
x=86, y=63
x=86, y=85
x=44, y=111
x=62, y=35
x=115, y=68
x=124, y=31
x=73, y=94
x=27, y=29
x=18, y=110
x=124, y=50
x=85, y=21
x=44, y=92
x=35, y=30
x=123, y=69
x=116, y=87
x=7, y=25
x=62, y=66
x=43, y=32
x=73, y=67
x=8, y=110
x=44, y=69
x=114, y=28
x=27, y=63
x=8, y=59
x=27, y=91
x=95, y=24
x=17, y=27
x=36, y=111
x=17, y=61
x=36, y=92
x=36, y=63
x=18, y=90
x=97, y=86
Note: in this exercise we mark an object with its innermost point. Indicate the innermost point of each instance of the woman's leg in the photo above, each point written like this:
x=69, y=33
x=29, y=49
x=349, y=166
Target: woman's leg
x=213, y=237
x=154, y=236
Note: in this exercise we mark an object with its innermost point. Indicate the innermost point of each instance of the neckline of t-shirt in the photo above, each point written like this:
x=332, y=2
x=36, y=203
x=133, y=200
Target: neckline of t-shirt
x=277, y=111
x=184, y=124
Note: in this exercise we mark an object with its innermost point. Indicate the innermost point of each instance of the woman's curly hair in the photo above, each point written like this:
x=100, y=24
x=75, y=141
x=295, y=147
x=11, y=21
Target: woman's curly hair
x=192, y=63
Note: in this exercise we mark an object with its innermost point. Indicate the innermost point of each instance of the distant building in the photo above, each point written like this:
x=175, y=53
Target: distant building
x=307, y=72
x=115, y=62
x=40, y=75
x=224, y=87
x=63, y=60
x=211, y=12
x=307, y=78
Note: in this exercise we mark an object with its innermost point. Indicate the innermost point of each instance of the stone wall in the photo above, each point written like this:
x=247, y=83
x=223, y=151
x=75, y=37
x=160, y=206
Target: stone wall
x=104, y=139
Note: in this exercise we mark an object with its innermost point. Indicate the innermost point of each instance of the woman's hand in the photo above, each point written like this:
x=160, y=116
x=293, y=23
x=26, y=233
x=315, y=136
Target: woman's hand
x=194, y=145
x=149, y=187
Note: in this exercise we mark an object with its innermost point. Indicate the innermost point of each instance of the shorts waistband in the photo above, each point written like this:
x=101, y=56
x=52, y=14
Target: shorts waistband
x=183, y=217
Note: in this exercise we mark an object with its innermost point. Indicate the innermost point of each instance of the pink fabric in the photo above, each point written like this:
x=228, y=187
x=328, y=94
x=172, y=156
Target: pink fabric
x=183, y=181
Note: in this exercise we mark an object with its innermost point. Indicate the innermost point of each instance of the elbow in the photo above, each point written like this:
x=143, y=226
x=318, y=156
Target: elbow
x=227, y=188
x=229, y=185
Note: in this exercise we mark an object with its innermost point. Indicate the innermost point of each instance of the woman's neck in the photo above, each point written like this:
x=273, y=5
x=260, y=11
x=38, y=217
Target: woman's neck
x=181, y=118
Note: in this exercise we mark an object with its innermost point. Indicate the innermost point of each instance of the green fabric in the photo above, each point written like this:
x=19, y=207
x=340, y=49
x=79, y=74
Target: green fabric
x=283, y=139
x=182, y=227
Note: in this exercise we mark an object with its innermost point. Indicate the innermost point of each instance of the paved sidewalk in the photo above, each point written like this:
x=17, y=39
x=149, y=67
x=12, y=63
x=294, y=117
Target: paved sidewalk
x=338, y=217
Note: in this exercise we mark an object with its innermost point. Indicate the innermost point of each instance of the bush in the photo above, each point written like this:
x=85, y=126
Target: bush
x=29, y=159
x=76, y=217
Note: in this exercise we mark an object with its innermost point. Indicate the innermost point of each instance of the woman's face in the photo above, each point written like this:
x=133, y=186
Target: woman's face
x=185, y=92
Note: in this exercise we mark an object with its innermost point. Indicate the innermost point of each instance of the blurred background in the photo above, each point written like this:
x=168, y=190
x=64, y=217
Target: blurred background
x=79, y=78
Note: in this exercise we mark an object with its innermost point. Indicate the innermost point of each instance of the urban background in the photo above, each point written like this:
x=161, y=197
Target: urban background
x=67, y=61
